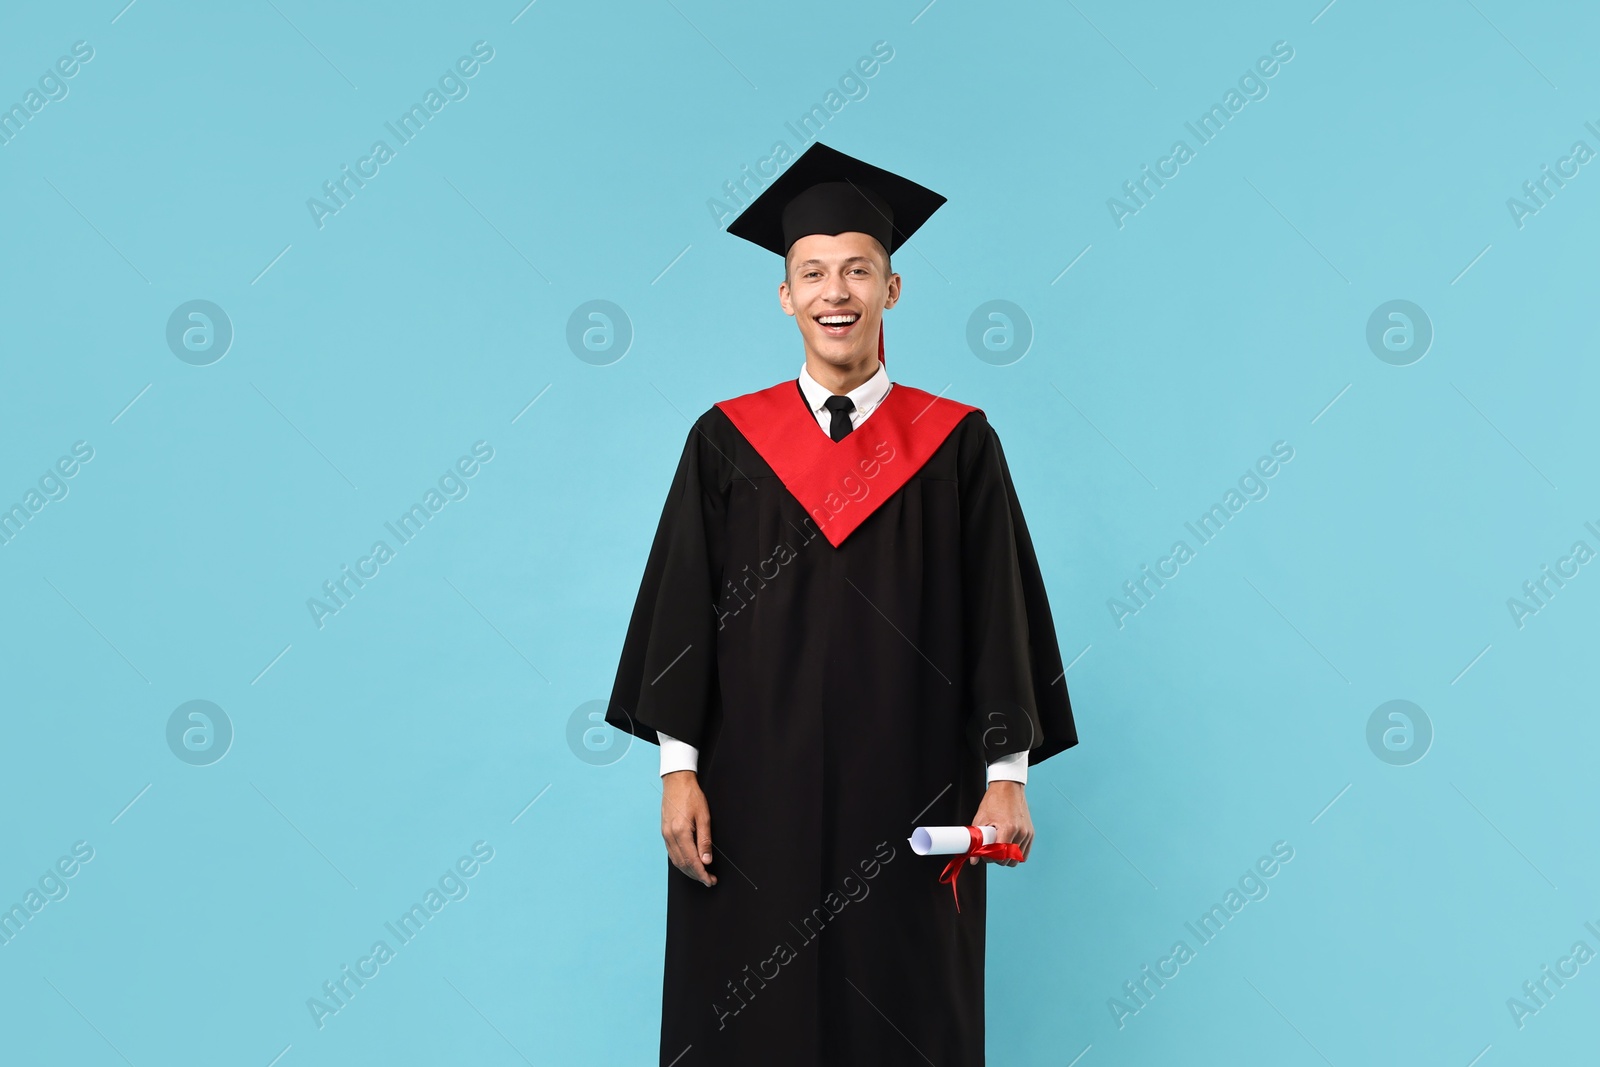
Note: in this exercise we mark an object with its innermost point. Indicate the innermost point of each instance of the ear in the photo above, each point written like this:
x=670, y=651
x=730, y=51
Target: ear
x=783, y=298
x=894, y=292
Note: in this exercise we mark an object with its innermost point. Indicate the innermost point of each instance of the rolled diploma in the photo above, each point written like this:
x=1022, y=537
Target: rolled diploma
x=945, y=840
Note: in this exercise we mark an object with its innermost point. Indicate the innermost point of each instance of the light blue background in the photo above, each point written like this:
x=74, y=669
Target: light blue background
x=372, y=352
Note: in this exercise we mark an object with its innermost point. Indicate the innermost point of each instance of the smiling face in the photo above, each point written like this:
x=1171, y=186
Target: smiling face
x=837, y=287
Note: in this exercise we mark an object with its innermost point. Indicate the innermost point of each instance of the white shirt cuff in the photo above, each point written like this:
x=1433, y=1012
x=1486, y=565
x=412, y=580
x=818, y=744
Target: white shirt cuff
x=681, y=756
x=677, y=755
x=1012, y=768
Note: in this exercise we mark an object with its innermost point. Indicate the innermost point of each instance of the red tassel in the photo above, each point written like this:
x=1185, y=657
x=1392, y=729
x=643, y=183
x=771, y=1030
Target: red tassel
x=880, y=344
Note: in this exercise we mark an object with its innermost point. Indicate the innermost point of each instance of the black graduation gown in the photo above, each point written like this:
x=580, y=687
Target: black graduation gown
x=839, y=697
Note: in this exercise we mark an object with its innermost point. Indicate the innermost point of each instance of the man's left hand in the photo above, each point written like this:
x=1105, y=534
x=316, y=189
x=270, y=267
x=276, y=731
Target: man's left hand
x=1006, y=809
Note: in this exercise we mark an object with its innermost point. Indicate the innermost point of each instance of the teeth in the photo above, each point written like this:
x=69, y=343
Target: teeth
x=836, y=320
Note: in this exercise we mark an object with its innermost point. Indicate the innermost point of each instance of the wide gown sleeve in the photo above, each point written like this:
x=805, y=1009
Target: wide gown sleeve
x=1016, y=688
x=667, y=678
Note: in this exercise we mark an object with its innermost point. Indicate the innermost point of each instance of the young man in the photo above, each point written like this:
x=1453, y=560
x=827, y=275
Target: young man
x=841, y=634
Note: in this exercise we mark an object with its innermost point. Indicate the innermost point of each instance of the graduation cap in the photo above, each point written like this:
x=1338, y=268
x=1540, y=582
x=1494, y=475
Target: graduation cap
x=826, y=191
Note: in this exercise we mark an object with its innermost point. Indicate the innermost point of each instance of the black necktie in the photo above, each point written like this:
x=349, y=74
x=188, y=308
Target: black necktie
x=841, y=406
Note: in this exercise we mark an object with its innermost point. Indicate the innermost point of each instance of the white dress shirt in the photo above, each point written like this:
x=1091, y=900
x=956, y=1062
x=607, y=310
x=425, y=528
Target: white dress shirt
x=680, y=755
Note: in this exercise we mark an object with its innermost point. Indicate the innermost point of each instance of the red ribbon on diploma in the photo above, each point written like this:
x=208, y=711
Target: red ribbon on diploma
x=1010, y=850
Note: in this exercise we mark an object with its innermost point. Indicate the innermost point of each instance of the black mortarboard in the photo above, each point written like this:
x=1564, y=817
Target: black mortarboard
x=826, y=191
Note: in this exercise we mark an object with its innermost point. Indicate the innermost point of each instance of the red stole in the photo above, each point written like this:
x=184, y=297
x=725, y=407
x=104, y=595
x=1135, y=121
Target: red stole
x=840, y=483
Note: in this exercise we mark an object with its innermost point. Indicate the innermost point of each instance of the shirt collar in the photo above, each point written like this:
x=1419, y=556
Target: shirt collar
x=868, y=395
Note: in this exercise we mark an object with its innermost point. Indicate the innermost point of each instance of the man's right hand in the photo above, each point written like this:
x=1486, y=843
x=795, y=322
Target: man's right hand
x=686, y=825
